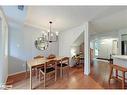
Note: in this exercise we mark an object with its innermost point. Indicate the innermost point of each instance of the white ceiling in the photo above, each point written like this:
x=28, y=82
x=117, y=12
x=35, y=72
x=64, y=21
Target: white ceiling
x=111, y=23
x=103, y=18
x=13, y=13
x=66, y=17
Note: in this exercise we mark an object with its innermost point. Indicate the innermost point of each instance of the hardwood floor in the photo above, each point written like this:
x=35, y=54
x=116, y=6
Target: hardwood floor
x=98, y=79
x=100, y=73
x=76, y=80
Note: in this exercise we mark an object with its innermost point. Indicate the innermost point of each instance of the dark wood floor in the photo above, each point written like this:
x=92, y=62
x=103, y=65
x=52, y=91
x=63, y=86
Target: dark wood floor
x=98, y=79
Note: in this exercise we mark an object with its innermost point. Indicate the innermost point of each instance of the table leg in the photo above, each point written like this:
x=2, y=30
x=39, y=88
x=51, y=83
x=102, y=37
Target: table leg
x=26, y=70
x=116, y=73
x=30, y=78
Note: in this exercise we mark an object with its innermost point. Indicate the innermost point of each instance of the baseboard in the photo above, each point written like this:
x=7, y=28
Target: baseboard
x=18, y=77
x=11, y=74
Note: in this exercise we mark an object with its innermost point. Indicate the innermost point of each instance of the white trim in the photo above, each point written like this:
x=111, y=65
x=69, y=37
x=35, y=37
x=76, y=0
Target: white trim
x=18, y=73
x=86, y=49
x=5, y=27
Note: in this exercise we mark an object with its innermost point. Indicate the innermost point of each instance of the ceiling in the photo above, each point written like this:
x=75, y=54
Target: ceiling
x=111, y=23
x=103, y=18
x=13, y=13
x=67, y=17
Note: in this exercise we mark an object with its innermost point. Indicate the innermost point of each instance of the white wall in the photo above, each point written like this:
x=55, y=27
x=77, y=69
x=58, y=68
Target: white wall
x=22, y=48
x=105, y=47
x=124, y=37
x=105, y=43
x=74, y=50
x=114, y=34
x=21, y=40
x=3, y=48
x=66, y=39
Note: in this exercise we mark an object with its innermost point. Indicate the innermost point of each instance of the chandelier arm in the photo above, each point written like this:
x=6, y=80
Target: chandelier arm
x=50, y=30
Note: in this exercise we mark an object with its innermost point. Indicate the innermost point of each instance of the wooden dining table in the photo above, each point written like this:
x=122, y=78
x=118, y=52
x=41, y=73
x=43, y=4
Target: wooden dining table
x=33, y=63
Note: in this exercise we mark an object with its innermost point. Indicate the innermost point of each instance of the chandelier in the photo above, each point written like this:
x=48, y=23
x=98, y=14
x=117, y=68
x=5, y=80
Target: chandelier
x=52, y=36
x=42, y=42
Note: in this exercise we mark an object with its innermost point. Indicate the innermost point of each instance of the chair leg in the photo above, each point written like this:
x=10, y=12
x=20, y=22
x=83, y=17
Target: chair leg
x=55, y=74
x=123, y=80
x=68, y=72
x=37, y=73
x=116, y=73
x=110, y=76
x=61, y=72
x=44, y=80
x=39, y=76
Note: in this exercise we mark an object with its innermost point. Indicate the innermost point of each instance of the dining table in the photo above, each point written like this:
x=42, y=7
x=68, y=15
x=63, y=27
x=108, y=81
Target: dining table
x=33, y=63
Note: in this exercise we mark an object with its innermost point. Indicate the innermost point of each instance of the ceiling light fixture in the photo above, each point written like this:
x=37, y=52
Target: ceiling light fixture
x=42, y=42
x=52, y=36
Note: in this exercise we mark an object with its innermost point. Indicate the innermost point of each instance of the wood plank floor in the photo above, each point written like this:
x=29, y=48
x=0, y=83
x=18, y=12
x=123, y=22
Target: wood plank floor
x=100, y=73
x=98, y=79
x=76, y=80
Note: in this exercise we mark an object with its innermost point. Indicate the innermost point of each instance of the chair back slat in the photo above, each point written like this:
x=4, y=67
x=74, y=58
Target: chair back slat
x=65, y=60
x=49, y=64
x=39, y=56
x=51, y=56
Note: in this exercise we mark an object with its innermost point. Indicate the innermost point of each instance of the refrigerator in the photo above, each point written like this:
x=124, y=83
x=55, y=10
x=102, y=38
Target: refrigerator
x=124, y=47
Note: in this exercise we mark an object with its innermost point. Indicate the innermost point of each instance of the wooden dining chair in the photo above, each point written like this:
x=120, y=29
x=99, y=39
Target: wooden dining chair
x=51, y=56
x=38, y=56
x=50, y=67
x=63, y=65
x=38, y=67
x=116, y=76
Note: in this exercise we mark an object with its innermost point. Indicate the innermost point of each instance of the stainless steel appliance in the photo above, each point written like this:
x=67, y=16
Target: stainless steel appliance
x=124, y=47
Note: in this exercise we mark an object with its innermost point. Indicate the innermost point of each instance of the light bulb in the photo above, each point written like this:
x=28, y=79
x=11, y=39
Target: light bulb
x=48, y=30
x=51, y=34
x=57, y=33
x=45, y=34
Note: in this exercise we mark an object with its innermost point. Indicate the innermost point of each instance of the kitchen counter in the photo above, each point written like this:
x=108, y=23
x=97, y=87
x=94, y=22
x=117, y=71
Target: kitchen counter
x=120, y=60
x=120, y=57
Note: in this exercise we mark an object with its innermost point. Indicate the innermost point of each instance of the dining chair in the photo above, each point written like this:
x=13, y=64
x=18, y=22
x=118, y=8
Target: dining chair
x=51, y=56
x=38, y=67
x=50, y=68
x=116, y=76
x=63, y=65
x=38, y=56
